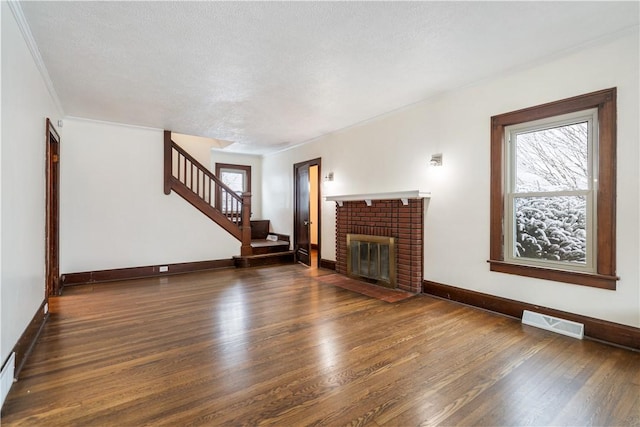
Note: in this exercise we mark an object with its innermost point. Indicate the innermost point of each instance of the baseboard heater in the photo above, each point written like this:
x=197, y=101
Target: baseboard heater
x=6, y=377
x=554, y=324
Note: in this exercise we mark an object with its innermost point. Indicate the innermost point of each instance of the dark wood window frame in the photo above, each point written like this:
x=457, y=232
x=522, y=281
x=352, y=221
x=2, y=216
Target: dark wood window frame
x=245, y=168
x=605, y=225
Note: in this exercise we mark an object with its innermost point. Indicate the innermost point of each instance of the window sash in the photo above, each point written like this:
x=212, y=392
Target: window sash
x=511, y=194
x=511, y=236
x=224, y=173
x=511, y=133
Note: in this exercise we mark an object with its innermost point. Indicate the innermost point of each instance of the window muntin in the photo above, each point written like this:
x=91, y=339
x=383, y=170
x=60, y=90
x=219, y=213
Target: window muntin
x=549, y=206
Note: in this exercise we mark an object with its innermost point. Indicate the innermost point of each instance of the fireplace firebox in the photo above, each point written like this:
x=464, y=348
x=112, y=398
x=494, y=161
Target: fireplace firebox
x=372, y=258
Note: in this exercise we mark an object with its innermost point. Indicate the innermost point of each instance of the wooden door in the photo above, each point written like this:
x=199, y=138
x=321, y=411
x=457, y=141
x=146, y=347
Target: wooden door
x=53, y=209
x=302, y=222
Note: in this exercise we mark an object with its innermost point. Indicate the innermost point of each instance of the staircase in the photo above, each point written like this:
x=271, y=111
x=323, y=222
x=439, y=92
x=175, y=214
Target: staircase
x=195, y=183
x=267, y=248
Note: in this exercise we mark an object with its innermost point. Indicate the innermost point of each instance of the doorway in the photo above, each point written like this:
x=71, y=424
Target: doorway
x=307, y=223
x=52, y=231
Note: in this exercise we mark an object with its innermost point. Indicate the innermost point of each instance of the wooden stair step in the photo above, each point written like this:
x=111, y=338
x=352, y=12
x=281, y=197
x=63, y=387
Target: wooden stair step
x=277, y=258
x=263, y=246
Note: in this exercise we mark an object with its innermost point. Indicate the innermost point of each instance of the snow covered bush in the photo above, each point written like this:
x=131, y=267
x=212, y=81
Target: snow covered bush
x=551, y=228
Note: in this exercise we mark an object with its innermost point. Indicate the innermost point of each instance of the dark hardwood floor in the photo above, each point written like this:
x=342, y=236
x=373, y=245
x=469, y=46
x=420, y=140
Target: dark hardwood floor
x=275, y=345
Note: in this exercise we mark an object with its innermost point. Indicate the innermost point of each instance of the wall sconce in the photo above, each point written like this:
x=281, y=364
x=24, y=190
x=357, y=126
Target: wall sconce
x=436, y=160
x=328, y=177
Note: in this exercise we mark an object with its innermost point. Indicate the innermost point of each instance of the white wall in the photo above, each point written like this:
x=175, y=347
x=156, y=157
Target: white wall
x=26, y=104
x=198, y=147
x=255, y=162
x=114, y=212
x=392, y=153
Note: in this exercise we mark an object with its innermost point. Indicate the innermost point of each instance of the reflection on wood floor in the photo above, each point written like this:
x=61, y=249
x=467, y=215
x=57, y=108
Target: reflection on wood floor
x=278, y=346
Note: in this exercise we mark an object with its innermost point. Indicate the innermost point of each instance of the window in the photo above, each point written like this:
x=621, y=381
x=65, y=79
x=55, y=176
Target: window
x=236, y=178
x=553, y=191
x=549, y=204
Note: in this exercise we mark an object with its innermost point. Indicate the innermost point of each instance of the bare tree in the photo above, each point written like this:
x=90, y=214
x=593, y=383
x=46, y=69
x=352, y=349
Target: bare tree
x=556, y=157
x=550, y=160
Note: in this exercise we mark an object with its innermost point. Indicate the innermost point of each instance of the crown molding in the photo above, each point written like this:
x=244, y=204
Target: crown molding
x=16, y=9
x=107, y=122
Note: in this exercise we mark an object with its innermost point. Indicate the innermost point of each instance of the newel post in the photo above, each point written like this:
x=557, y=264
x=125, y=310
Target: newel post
x=245, y=228
x=167, y=162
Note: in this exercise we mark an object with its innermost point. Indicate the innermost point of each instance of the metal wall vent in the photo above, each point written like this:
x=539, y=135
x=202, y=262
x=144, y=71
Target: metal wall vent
x=6, y=377
x=554, y=324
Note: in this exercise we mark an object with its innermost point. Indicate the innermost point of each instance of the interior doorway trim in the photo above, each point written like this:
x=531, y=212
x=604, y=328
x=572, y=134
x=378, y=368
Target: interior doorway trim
x=52, y=229
x=297, y=218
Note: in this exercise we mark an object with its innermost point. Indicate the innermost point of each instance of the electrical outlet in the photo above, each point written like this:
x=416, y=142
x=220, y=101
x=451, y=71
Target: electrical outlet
x=46, y=308
x=164, y=268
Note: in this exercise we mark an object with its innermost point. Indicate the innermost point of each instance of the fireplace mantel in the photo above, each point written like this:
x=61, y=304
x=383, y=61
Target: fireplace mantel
x=394, y=195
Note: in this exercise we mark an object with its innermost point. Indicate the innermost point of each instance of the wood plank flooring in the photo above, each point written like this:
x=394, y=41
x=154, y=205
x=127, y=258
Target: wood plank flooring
x=277, y=346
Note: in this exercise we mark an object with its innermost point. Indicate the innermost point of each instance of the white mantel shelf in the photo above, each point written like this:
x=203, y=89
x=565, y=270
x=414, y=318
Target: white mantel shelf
x=402, y=195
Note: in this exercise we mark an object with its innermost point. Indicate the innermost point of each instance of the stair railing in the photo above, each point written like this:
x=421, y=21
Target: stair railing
x=205, y=191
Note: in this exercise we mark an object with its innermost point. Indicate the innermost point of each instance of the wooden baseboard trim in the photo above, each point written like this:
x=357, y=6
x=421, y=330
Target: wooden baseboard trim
x=140, y=272
x=601, y=330
x=328, y=264
x=28, y=339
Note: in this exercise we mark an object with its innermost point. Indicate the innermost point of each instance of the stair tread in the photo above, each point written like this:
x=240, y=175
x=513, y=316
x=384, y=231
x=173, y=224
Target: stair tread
x=267, y=255
x=261, y=243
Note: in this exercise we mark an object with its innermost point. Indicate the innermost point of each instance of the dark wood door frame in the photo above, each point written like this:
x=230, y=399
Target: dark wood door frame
x=296, y=217
x=52, y=230
x=302, y=209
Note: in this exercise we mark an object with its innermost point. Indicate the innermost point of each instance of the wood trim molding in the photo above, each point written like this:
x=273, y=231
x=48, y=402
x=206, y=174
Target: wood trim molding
x=597, y=329
x=167, y=162
x=296, y=214
x=328, y=264
x=28, y=339
x=218, y=172
x=245, y=168
x=140, y=272
x=605, y=101
x=52, y=210
x=586, y=279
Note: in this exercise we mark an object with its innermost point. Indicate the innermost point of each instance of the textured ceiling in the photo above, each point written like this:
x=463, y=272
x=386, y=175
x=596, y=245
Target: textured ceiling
x=267, y=75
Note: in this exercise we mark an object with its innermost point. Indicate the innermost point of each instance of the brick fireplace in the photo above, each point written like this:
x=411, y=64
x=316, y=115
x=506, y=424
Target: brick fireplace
x=402, y=219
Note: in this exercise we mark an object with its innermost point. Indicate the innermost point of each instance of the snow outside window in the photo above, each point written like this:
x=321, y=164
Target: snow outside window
x=553, y=191
x=550, y=197
x=236, y=180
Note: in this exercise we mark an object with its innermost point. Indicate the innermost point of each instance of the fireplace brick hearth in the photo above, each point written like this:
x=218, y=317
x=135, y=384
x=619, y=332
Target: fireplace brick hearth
x=388, y=218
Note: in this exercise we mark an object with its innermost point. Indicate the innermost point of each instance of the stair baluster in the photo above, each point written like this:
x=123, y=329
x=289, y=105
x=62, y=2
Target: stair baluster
x=233, y=215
